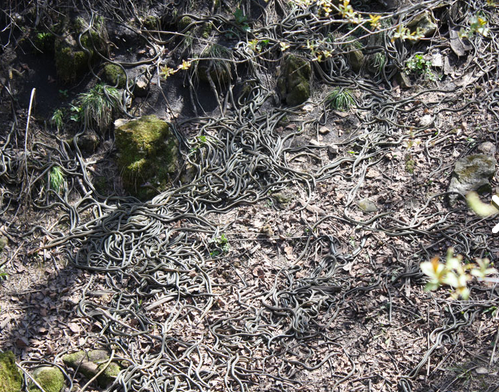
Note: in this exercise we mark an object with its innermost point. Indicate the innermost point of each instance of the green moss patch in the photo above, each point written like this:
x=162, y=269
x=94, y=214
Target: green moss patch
x=147, y=156
x=10, y=377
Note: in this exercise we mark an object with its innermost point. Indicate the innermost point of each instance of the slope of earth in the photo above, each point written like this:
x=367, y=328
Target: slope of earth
x=288, y=259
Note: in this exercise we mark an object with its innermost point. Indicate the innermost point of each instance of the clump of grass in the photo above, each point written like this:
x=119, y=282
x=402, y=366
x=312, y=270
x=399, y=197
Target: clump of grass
x=217, y=64
x=340, y=99
x=56, y=179
x=99, y=106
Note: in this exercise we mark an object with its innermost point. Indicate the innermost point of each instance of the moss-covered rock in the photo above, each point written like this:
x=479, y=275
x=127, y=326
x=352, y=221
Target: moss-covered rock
x=92, y=362
x=10, y=377
x=70, y=61
x=152, y=22
x=114, y=75
x=148, y=155
x=72, y=56
x=50, y=379
x=184, y=22
x=357, y=59
x=294, y=81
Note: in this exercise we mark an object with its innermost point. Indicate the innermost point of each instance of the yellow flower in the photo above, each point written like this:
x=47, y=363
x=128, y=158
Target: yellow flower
x=284, y=46
x=253, y=45
x=374, y=21
x=167, y=71
x=185, y=65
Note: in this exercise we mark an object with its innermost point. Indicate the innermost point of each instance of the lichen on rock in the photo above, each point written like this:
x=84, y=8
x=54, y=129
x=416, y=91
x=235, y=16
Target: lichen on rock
x=148, y=155
x=294, y=81
x=10, y=377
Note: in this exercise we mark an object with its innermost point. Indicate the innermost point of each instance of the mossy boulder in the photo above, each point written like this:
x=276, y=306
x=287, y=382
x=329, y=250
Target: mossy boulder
x=50, y=379
x=72, y=56
x=10, y=377
x=148, y=155
x=92, y=362
x=357, y=59
x=294, y=81
x=115, y=75
x=70, y=61
x=184, y=22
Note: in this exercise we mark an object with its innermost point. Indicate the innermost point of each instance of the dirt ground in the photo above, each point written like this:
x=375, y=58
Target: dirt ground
x=292, y=287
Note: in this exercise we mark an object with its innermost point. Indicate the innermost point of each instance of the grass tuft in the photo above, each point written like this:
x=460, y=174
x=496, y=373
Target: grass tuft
x=340, y=99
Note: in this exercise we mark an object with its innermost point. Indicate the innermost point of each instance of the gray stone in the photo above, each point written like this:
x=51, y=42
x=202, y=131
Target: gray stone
x=426, y=120
x=284, y=197
x=487, y=148
x=458, y=44
x=471, y=173
x=403, y=80
x=367, y=205
x=3, y=242
x=89, y=141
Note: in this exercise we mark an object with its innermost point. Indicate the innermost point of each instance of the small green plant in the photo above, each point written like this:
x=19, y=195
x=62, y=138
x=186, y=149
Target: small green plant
x=410, y=164
x=241, y=20
x=418, y=65
x=455, y=273
x=340, y=99
x=58, y=119
x=3, y=275
x=221, y=245
x=377, y=61
x=56, y=178
x=63, y=94
x=99, y=105
x=44, y=41
x=76, y=113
